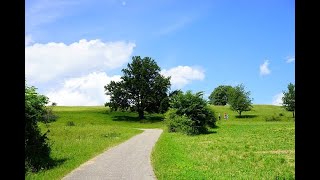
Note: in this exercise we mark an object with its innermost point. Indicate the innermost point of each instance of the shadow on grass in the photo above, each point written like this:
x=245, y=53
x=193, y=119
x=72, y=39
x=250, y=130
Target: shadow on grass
x=209, y=132
x=246, y=116
x=125, y=118
x=55, y=162
x=46, y=163
x=148, y=118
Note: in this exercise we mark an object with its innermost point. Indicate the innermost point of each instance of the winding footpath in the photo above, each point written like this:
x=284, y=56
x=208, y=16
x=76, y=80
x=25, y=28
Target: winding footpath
x=129, y=160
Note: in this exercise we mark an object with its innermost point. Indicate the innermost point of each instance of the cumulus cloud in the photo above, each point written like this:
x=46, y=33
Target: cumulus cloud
x=290, y=59
x=183, y=75
x=264, y=69
x=277, y=99
x=83, y=91
x=45, y=62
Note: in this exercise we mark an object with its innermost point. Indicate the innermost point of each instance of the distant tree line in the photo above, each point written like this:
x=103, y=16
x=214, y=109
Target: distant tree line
x=238, y=99
x=143, y=89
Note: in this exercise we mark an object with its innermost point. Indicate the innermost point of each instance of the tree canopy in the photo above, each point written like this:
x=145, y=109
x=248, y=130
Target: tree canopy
x=239, y=99
x=219, y=95
x=142, y=87
x=288, y=99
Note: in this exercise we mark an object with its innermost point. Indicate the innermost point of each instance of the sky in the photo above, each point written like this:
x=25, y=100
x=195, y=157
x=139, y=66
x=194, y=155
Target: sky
x=73, y=48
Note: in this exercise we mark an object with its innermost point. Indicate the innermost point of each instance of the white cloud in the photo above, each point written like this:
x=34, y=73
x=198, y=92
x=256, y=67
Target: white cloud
x=83, y=91
x=183, y=75
x=45, y=62
x=264, y=69
x=277, y=99
x=28, y=40
x=290, y=59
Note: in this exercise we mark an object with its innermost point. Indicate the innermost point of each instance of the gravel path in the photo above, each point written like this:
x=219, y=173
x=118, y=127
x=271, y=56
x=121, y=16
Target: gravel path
x=129, y=160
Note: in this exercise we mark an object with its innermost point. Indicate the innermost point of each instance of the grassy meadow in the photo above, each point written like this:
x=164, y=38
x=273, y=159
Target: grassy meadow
x=81, y=133
x=239, y=148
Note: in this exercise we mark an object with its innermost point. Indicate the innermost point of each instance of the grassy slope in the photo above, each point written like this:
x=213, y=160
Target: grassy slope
x=240, y=148
x=95, y=130
x=246, y=148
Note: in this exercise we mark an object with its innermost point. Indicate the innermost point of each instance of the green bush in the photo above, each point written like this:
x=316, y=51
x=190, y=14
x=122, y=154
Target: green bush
x=49, y=116
x=70, y=123
x=189, y=114
x=37, y=148
x=170, y=120
x=177, y=123
x=272, y=118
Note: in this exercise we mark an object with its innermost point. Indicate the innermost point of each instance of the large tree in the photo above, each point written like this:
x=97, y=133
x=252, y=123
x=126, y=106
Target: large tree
x=239, y=99
x=219, y=95
x=288, y=99
x=142, y=87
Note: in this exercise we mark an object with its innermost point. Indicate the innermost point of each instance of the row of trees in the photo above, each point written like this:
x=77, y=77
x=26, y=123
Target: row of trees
x=238, y=99
x=142, y=88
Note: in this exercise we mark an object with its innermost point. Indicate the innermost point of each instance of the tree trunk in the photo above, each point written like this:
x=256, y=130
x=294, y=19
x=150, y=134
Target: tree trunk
x=293, y=114
x=240, y=113
x=141, y=114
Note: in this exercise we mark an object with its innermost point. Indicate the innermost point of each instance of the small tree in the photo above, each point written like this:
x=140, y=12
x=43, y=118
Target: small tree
x=219, y=95
x=288, y=99
x=239, y=99
x=142, y=88
x=191, y=113
x=37, y=149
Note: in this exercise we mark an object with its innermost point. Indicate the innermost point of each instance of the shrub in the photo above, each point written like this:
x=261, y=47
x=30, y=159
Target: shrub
x=272, y=118
x=49, y=116
x=189, y=114
x=37, y=149
x=70, y=123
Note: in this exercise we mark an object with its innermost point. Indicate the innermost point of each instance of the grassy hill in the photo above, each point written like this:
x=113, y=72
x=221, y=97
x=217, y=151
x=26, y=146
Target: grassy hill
x=239, y=148
x=81, y=133
x=243, y=148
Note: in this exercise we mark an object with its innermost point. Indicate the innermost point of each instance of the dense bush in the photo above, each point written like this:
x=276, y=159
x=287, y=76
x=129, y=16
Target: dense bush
x=70, y=123
x=37, y=149
x=49, y=116
x=178, y=123
x=189, y=114
x=272, y=118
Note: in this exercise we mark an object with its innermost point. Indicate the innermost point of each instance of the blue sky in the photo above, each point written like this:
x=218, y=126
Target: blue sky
x=75, y=47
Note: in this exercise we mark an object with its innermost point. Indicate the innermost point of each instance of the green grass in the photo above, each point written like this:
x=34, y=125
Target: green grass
x=240, y=148
x=81, y=133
